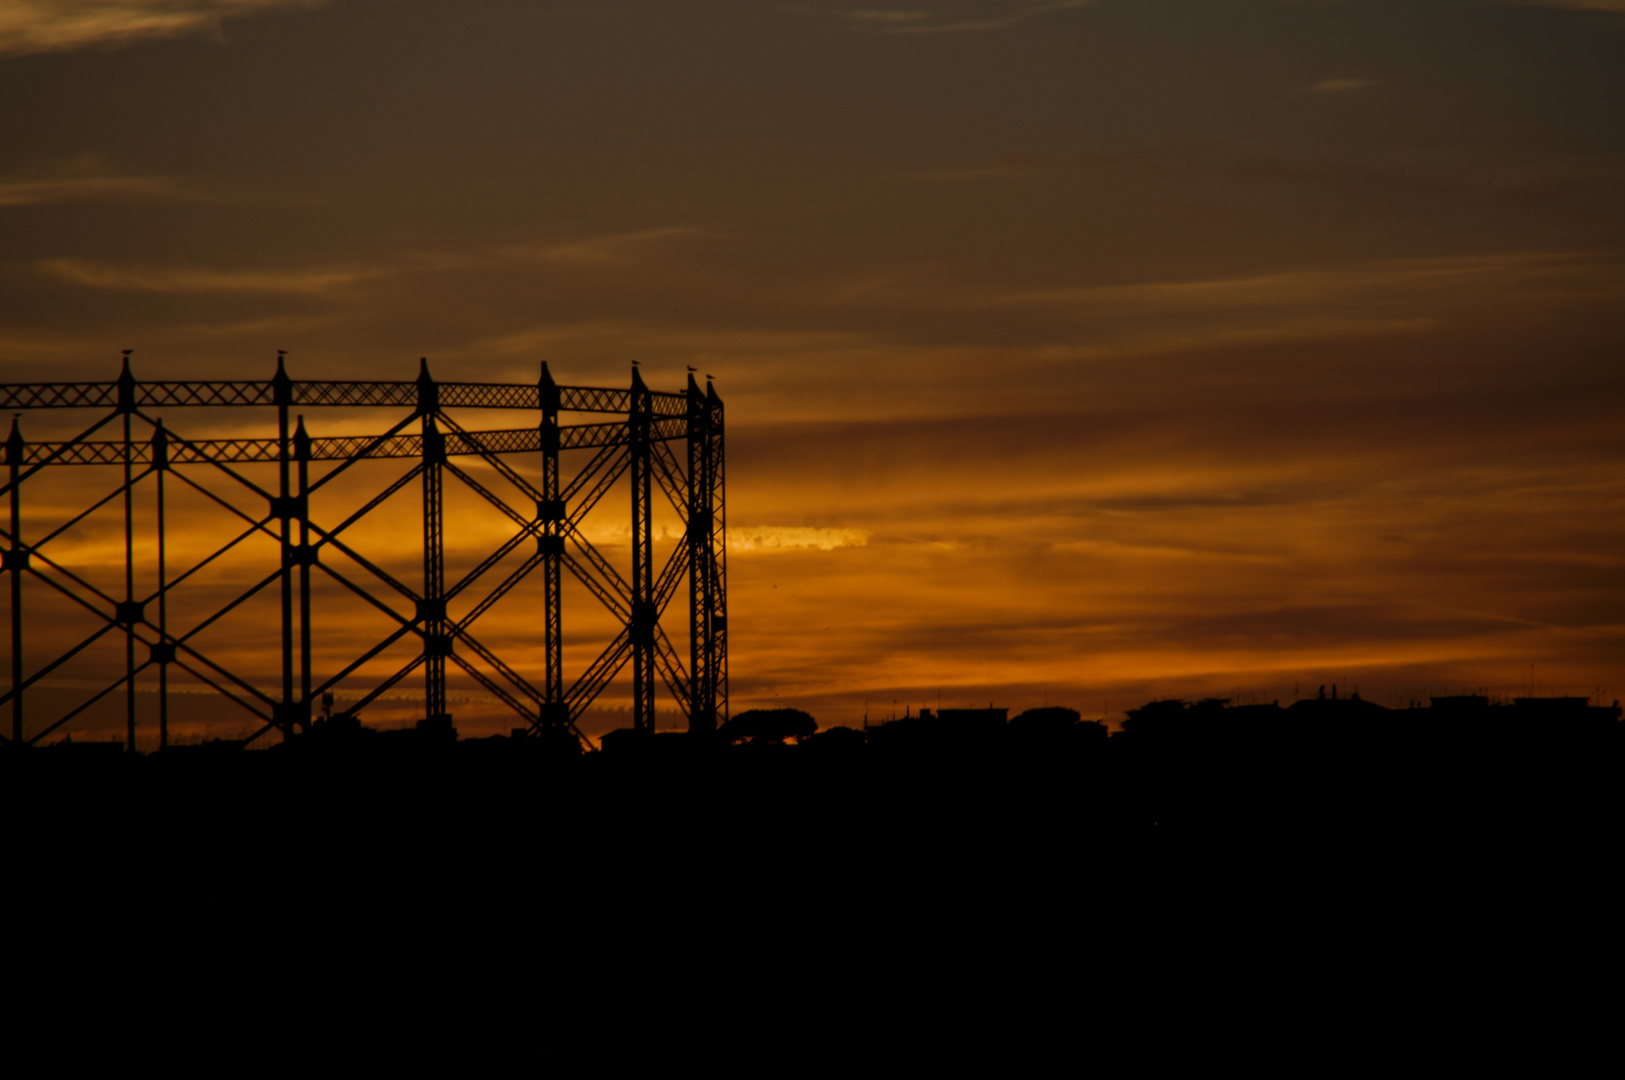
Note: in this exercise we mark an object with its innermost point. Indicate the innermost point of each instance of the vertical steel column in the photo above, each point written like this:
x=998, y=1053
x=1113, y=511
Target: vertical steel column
x=128, y=613
x=15, y=559
x=550, y=546
x=282, y=395
x=641, y=627
x=702, y=716
x=165, y=650
x=301, y=453
x=718, y=600
x=436, y=642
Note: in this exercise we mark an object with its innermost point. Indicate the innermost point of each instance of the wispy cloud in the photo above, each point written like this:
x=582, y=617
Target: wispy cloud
x=961, y=19
x=181, y=280
x=88, y=178
x=883, y=18
x=35, y=26
x=1334, y=86
x=762, y=538
x=1576, y=5
x=90, y=189
x=1408, y=179
x=1360, y=285
x=613, y=250
x=1582, y=5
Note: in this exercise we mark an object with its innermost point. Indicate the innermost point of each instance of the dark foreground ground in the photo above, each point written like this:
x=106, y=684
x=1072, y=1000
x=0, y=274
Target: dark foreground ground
x=955, y=863
x=1001, y=880
x=1336, y=769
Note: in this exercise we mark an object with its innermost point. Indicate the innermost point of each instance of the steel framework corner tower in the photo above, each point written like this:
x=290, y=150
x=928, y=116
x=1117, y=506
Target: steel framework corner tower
x=707, y=559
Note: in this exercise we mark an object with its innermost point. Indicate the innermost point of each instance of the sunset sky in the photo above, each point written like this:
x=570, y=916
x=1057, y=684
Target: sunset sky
x=1073, y=352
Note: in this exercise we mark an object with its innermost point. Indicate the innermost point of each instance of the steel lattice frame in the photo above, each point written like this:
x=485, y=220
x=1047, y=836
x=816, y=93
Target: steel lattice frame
x=637, y=442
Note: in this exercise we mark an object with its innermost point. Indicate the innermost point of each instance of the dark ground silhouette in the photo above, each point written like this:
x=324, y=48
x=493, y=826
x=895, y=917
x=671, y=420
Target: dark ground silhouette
x=955, y=777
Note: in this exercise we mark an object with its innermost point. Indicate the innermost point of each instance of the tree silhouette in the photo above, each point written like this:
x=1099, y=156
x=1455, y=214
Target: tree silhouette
x=768, y=726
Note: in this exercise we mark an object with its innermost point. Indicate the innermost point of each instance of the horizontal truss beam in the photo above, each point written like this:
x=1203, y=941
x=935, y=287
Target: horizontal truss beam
x=347, y=447
x=105, y=395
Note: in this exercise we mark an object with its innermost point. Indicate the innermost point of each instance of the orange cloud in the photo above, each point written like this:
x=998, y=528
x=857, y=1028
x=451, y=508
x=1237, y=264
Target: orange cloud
x=34, y=26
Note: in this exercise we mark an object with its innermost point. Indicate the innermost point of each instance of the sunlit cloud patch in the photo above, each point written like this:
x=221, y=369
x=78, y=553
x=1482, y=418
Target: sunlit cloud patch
x=768, y=538
x=32, y=26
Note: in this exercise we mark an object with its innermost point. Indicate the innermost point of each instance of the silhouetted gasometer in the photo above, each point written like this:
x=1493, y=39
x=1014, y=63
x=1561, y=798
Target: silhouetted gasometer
x=636, y=442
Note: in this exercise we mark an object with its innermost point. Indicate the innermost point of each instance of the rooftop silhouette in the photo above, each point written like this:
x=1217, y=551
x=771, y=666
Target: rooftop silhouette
x=1208, y=764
